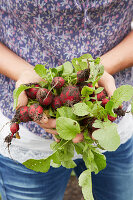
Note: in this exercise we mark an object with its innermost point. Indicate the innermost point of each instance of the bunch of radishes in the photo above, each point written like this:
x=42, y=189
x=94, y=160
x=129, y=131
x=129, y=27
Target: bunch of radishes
x=60, y=90
x=68, y=95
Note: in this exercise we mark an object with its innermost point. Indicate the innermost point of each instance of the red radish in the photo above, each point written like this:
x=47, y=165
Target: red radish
x=104, y=102
x=35, y=111
x=31, y=92
x=111, y=118
x=56, y=103
x=89, y=85
x=22, y=114
x=44, y=96
x=58, y=82
x=70, y=95
x=101, y=95
x=83, y=75
x=14, y=127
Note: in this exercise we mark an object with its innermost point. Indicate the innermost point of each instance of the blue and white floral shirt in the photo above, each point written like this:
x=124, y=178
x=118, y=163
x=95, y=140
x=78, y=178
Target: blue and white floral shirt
x=58, y=30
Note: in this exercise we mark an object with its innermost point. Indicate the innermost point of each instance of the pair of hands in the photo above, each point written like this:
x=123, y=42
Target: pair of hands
x=29, y=76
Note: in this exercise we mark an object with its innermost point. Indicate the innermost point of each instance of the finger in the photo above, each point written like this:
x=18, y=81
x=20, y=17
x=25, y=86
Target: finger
x=121, y=106
x=22, y=99
x=79, y=138
x=110, y=88
x=44, y=120
x=53, y=132
x=107, y=81
x=51, y=123
x=57, y=140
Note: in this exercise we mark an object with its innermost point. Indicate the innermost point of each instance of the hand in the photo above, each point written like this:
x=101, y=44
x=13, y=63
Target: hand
x=30, y=76
x=107, y=81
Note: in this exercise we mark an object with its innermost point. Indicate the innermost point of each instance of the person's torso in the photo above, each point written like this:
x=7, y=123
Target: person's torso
x=55, y=31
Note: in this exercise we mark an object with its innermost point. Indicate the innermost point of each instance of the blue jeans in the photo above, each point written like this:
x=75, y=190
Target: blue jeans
x=115, y=182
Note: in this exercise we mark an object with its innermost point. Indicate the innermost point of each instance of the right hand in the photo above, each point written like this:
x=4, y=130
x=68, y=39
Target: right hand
x=30, y=76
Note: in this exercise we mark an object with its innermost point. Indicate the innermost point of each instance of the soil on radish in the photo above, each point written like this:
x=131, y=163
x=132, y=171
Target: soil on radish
x=31, y=92
x=35, y=112
x=56, y=103
x=83, y=75
x=101, y=95
x=44, y=96
x=70, y=95
x=58, y=82
x=120, y=112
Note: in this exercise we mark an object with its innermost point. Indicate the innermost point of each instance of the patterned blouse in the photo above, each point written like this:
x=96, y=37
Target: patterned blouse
x=56, y=31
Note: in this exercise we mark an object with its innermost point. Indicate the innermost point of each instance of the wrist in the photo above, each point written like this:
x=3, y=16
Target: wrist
x=109, y=66
x=29, y=76
x=120, y=57
x=14, y=66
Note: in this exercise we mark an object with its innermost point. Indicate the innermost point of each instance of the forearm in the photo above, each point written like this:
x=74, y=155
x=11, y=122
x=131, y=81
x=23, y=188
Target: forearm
x=120, y=57
x=12, y=65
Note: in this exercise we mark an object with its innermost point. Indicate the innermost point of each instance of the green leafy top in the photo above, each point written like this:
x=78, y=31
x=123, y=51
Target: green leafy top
x=123, y=93
x=18, y=91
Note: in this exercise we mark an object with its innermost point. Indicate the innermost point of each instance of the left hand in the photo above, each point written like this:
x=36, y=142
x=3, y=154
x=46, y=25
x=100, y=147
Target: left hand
x=107, y=81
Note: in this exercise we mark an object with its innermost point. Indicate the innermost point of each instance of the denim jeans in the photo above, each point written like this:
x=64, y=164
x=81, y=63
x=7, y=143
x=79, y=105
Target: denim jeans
x=115, y=182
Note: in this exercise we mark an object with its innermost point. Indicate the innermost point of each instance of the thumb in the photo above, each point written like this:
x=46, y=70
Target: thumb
x=22, y=99
x=107, y=81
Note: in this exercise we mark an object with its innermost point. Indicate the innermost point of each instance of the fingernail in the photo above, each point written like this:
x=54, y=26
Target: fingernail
x=17, y=106
x=44, y=119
